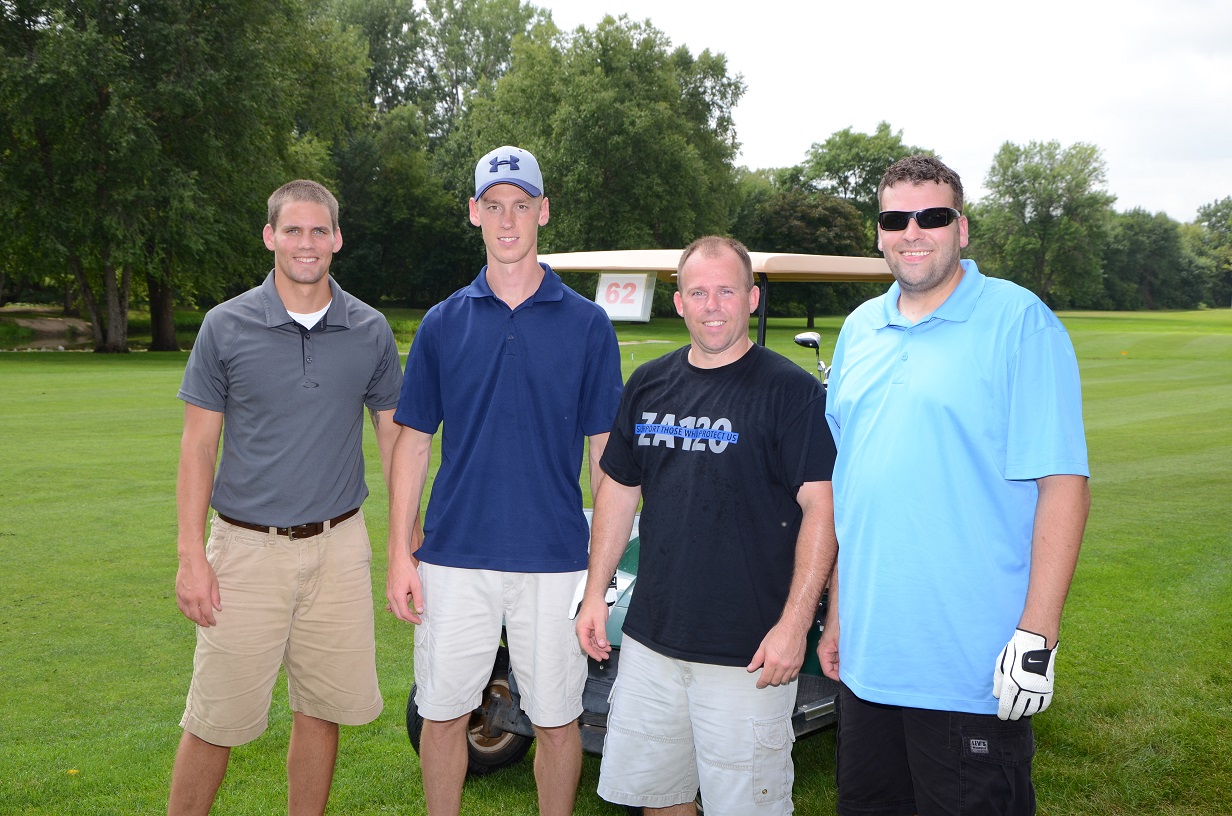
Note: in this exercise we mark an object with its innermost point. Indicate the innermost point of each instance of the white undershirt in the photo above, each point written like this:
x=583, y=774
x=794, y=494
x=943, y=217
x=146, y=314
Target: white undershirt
x=309, y=320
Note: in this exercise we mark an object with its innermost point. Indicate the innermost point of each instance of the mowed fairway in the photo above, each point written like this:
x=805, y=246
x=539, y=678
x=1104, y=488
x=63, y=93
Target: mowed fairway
x=95, y=658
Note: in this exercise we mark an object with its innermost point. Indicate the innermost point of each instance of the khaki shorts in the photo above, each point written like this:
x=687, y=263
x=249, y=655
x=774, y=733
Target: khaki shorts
x=304, y=604
x=675, y=725
x=456, y=644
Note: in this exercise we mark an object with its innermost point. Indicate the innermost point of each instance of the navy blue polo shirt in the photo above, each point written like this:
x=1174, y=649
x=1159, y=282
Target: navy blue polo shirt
x=515, y=392
x=293, y=403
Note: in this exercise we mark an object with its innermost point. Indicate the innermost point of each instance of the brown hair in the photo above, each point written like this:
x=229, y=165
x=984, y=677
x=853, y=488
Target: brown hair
x=302, y=190
x=712, y=246
x=921, y=169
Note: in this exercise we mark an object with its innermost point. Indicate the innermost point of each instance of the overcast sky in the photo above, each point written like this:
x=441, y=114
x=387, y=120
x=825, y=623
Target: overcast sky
x=1149, y=83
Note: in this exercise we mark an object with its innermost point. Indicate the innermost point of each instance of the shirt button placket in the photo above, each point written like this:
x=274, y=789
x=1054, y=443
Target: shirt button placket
x=310, y=373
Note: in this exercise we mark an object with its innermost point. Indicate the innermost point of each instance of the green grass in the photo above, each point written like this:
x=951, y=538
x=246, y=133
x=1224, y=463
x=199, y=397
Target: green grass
x=11, y=334
x=95, y=658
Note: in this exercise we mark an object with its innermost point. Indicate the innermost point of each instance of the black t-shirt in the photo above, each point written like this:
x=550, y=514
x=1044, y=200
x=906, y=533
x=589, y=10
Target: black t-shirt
x=719, y=455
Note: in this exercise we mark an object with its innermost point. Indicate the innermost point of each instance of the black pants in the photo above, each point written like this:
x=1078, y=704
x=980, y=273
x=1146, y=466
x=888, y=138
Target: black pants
x=898, y=761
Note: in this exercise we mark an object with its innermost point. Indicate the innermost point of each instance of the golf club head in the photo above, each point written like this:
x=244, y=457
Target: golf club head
x=809, y=339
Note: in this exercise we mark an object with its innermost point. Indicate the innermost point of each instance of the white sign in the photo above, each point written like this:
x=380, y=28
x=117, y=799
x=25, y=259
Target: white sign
x=626, y=296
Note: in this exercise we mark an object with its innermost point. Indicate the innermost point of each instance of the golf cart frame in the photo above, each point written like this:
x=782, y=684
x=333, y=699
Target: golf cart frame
x=499, y=733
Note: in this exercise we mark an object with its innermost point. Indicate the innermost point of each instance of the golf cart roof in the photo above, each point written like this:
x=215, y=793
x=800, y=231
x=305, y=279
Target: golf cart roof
x=774, y=266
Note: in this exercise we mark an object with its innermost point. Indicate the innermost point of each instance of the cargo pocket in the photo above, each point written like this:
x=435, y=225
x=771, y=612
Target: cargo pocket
x=772, y=770
x=996, y=768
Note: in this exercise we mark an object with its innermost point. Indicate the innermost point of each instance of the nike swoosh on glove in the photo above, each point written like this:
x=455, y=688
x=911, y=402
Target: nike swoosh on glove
x=1023, y=676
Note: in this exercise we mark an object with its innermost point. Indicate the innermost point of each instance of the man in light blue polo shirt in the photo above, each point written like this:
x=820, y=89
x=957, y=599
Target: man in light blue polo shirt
x=518, y=369
x=960, y=495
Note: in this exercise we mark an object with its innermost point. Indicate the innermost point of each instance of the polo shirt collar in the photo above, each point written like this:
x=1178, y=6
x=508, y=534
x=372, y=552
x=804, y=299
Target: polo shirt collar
x=957, y=308
x=276, y=313
x=550, y=288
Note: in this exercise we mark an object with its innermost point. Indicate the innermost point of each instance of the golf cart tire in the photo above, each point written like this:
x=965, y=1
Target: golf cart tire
x=488, y=749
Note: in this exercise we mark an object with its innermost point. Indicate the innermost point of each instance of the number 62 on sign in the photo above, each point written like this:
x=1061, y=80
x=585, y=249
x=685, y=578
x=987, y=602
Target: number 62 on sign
x=626, y=297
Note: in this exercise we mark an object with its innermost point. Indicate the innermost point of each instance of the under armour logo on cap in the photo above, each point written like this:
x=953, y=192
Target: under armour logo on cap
x=496, y=162
x=509, y=165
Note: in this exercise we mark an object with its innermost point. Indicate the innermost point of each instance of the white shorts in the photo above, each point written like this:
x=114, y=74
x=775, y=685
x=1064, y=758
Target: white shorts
x=675, y=725
x=456, y=644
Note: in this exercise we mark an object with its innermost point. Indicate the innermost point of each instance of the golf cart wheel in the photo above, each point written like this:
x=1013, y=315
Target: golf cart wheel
x=488, y=748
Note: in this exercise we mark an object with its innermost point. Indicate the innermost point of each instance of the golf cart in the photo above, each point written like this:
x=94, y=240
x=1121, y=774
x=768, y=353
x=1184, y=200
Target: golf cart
x=499, y=734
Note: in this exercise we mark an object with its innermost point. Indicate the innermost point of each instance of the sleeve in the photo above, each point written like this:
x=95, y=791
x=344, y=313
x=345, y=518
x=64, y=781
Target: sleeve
x=205, y=381
x=420, y=405
x=806, y=445
x=386, y=383
x=834, y=417
x=602, y=383
x=1046, y=435
x=619, y=460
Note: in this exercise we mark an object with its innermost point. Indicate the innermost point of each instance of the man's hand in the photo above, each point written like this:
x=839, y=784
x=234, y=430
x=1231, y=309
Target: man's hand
x=1023, y=676
x=592, y=628
x=779, y=657
x=403, y=592
x=196, y=591
x=827, y=650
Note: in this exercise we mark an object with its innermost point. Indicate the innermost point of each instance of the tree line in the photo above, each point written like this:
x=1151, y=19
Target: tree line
x=139, y=143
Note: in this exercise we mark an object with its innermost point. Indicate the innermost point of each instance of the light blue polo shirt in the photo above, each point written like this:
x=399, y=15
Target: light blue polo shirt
x=515, y=391
x=942, y=426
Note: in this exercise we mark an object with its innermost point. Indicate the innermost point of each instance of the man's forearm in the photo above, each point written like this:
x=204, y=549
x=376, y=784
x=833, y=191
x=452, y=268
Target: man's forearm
x=1060, y=519
x=595, y=447
x=386, y=431
x=408, y=475
x=816, y=551
x=615, y=509
x=192, y=491
x=195, y=478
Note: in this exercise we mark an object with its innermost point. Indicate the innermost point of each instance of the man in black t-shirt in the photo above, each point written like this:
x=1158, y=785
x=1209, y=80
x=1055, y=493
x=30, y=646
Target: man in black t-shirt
x=726, y=444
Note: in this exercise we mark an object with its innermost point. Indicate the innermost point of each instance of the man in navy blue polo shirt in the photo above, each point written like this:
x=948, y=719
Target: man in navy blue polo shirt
x=519, y=370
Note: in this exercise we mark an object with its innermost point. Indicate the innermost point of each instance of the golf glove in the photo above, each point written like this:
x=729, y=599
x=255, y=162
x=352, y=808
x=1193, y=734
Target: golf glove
x=1023, y=676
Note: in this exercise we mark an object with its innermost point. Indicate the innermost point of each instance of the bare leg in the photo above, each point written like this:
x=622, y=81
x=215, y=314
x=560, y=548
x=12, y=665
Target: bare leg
x=442, y=757
x=199, y=769
x=310, y=764
x=558, y=767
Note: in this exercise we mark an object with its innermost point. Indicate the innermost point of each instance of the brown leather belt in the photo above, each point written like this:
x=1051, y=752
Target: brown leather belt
x=298, y=531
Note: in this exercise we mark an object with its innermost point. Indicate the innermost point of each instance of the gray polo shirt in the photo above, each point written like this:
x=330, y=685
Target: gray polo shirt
x=293, y=403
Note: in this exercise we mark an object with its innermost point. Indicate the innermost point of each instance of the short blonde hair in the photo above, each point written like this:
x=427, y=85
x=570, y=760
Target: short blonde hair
x=713, y=245
x=301, y=190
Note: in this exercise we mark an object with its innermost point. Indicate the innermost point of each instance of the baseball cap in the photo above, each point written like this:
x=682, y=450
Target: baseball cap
x=509, y=165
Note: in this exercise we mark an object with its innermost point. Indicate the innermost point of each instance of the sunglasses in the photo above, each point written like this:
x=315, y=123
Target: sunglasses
x=931, y=218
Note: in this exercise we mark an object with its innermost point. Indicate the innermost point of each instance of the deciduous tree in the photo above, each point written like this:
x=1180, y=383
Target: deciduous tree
x=1045, y=220
x=850, y=165
x=140, y=142
x=635, y=137
x=403, y=232
x=1216, y=244
x=468, y=45
x=1148, y=266
x=795, y=218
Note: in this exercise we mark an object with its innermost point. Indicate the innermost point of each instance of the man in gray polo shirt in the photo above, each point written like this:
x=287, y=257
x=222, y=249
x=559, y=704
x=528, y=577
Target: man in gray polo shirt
x=281, y=374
